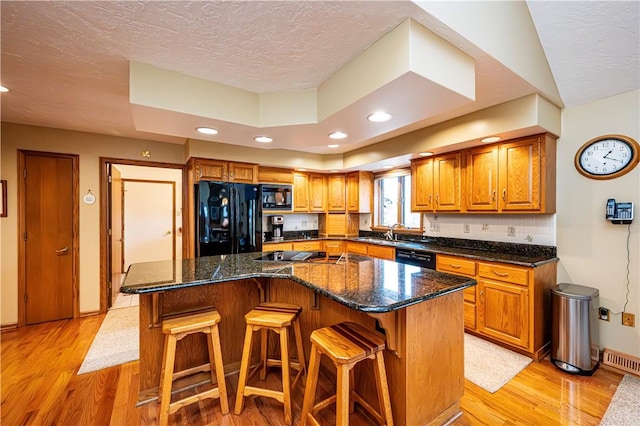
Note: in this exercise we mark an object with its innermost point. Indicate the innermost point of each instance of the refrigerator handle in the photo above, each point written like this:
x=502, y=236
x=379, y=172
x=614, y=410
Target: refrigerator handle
x=236, y=221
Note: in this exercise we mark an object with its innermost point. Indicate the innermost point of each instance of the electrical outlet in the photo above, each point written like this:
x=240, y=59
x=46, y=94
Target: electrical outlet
x=511, y=231
x=435, y=227
x=466, y=228
x=603, y=313
x=628, y=319
x=303, y=223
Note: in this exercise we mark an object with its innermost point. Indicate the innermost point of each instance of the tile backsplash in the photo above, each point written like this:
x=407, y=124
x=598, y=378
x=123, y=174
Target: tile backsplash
x=509, y=228
x=294, y=222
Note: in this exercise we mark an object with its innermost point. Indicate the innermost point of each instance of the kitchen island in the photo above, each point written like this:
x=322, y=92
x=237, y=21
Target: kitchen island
x=419, y=310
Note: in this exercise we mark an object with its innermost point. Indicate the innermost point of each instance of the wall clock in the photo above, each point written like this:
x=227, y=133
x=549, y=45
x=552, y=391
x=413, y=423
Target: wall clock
x=607, y=157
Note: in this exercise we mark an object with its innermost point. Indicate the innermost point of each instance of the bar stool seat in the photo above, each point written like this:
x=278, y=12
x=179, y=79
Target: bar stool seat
x=176, y=329
x=278, y=318
x=346, y=344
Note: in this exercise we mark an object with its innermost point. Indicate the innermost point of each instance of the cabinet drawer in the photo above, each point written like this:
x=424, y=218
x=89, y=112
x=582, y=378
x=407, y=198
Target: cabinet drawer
x=456, y=265
x=333, y=248
x=381, y=252
x=470, y=294
x=504, y=273
x=307, y=246
x=357, y=248
x=276, y=247
x=470, y=315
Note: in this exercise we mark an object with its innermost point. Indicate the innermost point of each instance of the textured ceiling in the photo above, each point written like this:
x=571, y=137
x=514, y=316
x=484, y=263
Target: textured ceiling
x=67, y=63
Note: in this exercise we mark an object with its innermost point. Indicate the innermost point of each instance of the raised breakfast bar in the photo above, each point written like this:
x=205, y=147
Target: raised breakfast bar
x=420, y=312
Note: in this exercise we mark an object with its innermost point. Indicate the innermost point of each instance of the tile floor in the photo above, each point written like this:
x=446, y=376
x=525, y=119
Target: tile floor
x=125, y=300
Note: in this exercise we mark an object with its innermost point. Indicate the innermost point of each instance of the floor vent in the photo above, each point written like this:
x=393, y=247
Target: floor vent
x=622, y=361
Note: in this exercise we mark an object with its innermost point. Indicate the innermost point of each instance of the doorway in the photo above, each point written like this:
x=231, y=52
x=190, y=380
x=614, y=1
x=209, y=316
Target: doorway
x=133, y=228
x=49, y=229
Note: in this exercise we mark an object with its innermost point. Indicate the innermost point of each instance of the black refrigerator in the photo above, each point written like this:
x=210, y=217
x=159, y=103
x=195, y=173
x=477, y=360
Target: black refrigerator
x=228, y=218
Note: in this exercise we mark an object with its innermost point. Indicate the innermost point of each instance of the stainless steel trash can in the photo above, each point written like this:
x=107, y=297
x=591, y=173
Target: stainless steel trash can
x=574, y=328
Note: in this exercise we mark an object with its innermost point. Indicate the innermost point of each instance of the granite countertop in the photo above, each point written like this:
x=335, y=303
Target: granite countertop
x=528, y=255
x=359, y=282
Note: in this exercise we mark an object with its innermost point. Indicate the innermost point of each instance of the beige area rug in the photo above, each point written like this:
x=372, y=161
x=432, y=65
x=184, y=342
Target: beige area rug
x=624, y=408
x=490, y=366
x=116, y=342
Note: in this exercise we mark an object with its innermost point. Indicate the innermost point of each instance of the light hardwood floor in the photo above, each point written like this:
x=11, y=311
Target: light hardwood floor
x=40, y=386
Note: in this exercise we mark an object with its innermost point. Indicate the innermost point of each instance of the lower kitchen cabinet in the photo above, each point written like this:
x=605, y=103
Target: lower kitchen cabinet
x=371, y=250
x=334, y=247
x=308, y=245
x=276, y=247
x=510, y=305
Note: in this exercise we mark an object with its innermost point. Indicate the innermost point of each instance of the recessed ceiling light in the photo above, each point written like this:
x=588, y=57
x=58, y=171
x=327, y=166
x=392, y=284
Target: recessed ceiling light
x=491, y=139
x=379, y=117
x=3, y=89
x=207, y=130
x=425, y=154
x=263, y=139
x=333, y=145
x=337, y=135
x=387, y=167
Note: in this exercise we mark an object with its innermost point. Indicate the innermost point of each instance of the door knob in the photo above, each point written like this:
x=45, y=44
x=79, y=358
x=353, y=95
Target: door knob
x=166, y=234
x=63, y=250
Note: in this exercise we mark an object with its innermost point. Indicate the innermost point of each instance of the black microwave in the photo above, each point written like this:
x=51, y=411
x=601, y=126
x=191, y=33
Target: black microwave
x=277, y=197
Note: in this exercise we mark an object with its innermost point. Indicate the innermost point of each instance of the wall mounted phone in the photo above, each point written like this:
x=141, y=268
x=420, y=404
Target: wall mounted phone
x=619, y=213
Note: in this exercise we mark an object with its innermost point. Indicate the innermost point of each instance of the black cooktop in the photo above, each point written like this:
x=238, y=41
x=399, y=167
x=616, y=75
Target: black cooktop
x=291, y=256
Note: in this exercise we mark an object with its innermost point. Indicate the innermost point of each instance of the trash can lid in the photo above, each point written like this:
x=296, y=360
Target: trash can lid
x=575, y=291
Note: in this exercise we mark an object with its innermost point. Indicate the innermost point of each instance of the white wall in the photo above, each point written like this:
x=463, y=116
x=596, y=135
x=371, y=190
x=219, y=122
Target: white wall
x=592, y=251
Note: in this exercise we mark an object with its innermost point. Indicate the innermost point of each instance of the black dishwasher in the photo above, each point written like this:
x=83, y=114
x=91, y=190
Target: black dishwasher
x=424, y=259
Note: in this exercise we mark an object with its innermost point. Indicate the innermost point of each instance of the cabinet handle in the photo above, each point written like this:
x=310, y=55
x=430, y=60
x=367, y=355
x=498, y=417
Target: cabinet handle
x=437, y=198
x=429, y=198
x=63, y=250
x=481, y=292
x=455, y=266
x=493, y=197
x=501, y=274
x=504, y=195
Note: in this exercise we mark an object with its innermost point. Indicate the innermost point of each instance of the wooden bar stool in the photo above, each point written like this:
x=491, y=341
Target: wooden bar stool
x=176, y=329
x=277, y=317
x=346, y=344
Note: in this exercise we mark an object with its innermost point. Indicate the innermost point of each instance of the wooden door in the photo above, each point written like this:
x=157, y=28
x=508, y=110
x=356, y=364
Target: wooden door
x=520, y=175
x=206, y=169
x=243, y=173
x=481, y=178
x=503, y=312
x=317, y=193
x=116, y=230
x=353, y=192
x=49, y=229
x=300, y=192
x=336, y=190
x=422, y=185
x=446, y=182
x=149, y=221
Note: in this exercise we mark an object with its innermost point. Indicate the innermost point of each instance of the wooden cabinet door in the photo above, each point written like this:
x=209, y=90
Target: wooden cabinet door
x=446, y=182
x=422, y=185
x=276, y=247
x=481, y=178
x=353, y=196
x=520, y=175
x=381, y=252
x=274, y=175
x=300, y=192
x=503, y=312
x=336, y=190
x=334, y=247
x=317, y=193
x=357, y=248
x=243, y=173
x=211, y=170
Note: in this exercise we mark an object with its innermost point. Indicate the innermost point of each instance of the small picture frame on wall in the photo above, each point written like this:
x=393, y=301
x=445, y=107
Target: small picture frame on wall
x=3, y=207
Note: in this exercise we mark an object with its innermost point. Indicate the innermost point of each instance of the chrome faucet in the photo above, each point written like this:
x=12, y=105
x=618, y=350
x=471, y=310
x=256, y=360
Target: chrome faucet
x=391, y=234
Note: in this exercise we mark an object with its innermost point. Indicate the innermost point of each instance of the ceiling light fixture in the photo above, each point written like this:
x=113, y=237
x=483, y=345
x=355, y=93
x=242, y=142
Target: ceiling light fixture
x=207, y=130
x=263, y=139
x=337, y=135
x=490, y=139
x=3, y=89
x=333, y=145
x=379, y=117
x=387, y=167
x=302, y=170
x=425, y=154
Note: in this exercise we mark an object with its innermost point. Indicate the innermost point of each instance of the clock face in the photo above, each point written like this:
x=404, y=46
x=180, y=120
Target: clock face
x=607, y=157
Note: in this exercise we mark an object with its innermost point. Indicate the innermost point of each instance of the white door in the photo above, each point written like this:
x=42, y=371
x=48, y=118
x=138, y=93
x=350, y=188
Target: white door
x=149, y=225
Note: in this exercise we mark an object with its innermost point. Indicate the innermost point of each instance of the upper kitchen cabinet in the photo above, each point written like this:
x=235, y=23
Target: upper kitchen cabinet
x=300, y=192
x=317, y=193
x=223, y=171
x=422, y=185
x=274, y=175
x=336, y=193
x=527, y=177
x=446, y=182
x=481, y=178
x=360, y=192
